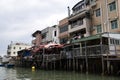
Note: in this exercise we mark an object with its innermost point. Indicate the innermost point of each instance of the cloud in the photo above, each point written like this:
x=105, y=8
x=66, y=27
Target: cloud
x=20, y=18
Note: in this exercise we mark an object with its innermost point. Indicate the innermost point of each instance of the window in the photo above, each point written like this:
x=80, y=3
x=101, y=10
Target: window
x=9, y=53
x=74, y=24
x=112, y=6
x=111, y=41
x=55, y=33
x=44, y=35
x=114, y=24
x=13, y=52
x=79, y=7
x=80, y=22
x=92, y=0
x=115, y=41
x=99, y=29
x=19, y=47
x=98, y=12
x=13, y=47
x=63, y=29
x=77, y=23
x=9, y=47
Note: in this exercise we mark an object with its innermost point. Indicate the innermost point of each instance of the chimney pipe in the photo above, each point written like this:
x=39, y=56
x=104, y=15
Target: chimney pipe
x=68, y=11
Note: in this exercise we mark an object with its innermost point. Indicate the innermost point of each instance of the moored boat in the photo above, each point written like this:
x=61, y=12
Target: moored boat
x=9, y=65
x=1, y=65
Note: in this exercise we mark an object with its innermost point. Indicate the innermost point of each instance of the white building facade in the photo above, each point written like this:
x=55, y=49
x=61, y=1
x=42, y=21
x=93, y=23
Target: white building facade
x=55, y=34
x=50, y=34
x=13, y=48
x=47, y=34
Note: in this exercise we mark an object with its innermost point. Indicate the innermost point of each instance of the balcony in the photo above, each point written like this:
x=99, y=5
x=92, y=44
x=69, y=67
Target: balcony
x=84, y=24
x=79, y=13
x=93, y=4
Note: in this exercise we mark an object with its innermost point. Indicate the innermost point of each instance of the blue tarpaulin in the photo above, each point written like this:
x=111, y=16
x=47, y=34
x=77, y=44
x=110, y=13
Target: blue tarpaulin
x=26, y=53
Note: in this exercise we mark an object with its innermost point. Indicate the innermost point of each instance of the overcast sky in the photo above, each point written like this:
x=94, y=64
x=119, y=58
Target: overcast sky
x=20, y=18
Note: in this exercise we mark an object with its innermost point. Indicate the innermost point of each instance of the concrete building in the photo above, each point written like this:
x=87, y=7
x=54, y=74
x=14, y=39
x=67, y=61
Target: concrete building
x=13, y=48
x=79, y=20
x=91, y=17
x=47, y=34
x=37, y=38
x=50, y=34
x=63, y=31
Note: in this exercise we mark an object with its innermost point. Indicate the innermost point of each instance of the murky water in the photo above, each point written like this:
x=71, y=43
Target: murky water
x=28, y=74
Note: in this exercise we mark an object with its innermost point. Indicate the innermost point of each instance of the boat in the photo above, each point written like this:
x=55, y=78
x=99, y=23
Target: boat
x=9, y=65
x=1, y=65
x=8, y=62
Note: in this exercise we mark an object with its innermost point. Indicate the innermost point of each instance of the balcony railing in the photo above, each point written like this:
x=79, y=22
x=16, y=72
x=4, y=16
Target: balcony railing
x=92, y=4
x=79, y=13
x=78, y=25
x=90, y=51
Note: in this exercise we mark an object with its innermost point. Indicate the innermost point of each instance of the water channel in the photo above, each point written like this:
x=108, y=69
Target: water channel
x=28, y=74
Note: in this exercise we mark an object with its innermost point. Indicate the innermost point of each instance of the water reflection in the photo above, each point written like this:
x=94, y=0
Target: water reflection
x=28, y=74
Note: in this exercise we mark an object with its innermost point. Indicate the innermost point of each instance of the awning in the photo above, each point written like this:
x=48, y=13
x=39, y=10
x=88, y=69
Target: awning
x=87, y=38
x=98, y=36
x=112, y=35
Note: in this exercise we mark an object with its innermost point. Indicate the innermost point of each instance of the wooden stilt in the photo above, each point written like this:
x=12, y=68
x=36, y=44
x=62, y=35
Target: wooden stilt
x=81, y=68
x=86, y=58
x=77, y=64
x=69, y=64
x=108, y=66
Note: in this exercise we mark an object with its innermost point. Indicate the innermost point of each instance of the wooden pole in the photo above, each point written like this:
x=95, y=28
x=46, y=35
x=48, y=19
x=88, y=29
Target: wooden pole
x=86, y=58
x=60, y=61
x=43, y=58
x=69, y=64
x=80, y=49
x=108, y=65
x=102, y=61
x=76, y=63
x=73, y=57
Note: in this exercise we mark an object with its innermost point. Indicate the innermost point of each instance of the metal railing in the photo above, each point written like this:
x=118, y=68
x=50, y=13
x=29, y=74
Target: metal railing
x=90, y=50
